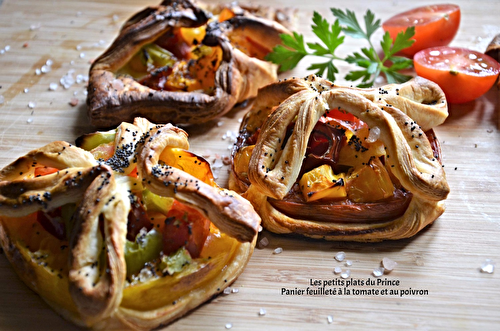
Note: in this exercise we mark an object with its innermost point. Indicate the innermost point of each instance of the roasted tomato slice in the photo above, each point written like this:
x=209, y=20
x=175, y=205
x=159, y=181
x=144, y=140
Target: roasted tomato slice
x=435, y=25
x=463, y=74
x=43, y=171
x=184, y=226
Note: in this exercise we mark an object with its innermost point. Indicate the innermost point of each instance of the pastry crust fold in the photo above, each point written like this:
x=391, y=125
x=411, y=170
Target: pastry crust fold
x=114, y=98
x=284, y=116
x=82, y=272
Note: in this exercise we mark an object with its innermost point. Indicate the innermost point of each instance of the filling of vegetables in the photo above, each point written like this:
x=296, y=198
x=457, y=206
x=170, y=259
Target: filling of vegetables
x=345, y=160
x=177, y=61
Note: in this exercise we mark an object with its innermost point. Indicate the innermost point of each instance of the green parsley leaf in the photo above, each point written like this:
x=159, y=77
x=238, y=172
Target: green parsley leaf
x=294, y=49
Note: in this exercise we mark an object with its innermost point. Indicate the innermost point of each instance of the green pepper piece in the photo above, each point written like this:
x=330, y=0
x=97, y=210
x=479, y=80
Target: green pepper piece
x=154, y=202
x=146, y=248
x=92, y=140
x=176, y=261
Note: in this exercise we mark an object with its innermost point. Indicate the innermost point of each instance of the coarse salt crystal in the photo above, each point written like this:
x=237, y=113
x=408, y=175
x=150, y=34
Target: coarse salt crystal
x=348, y=263
x=263, y=242
x=29, y=120
x=377, y=272
x=374, y=134
x=278, y=250
x=31, y=105
x=78, y=47
x=26, y=90
x=488, y=266
x=329, y=319
x=345, y=274
x=35, y=26
x=340, y=256
x=38, y=71
x=7, y=48
x=220, y=123
x=2, y=51
x=2, y=99
x=227, y=291
x=79, y=78
x=217, y=163
x=49, y=62
x=388, y=264
x=115, y=18
x=235, y=290
x=229, y=325
x=45, y=69
x=262, y=312
x=78, y=13
x=101, y=42
x=53, y=86
x=337, y=270
x=82, y=55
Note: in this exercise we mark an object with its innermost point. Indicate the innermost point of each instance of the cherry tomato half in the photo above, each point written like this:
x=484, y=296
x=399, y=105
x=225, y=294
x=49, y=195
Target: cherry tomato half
x=435, y=25
x=463, y=74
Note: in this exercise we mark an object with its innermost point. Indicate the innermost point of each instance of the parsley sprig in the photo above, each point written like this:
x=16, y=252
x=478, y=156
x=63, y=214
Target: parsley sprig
x=371, y=65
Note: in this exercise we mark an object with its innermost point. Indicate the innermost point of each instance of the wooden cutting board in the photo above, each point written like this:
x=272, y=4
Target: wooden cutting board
x=441, y=263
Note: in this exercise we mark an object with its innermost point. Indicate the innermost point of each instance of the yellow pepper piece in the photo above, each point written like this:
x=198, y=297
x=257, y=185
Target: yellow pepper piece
x=242, y=159
x=321, y=183
x=369, y=183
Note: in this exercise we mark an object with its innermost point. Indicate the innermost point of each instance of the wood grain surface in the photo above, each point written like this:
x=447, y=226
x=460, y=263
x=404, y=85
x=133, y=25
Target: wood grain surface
x=444, y=259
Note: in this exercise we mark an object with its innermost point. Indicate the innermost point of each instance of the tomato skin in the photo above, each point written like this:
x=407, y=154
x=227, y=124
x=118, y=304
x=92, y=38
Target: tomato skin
x=184, y=226
x=435, y=25
x=45, y=170
x=462, y=74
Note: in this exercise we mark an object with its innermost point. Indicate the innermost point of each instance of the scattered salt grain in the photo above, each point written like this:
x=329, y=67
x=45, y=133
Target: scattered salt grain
x=78, y=47
x=78, y=13
x=227, y=291
x=217, y=163
x=329, y=319
x=67, y=80
x=345, y=274
x=101, y=42
x=73, y=102
x=378, y=272
x=145, y=274
x=278, y=250
x=348, y=263
x=115, y=18
x=35, y=26
x=2, y=99
x=31, y=105
x=337, y=270
x=388, y=264
x=82, y=55
x=263, y=242
x=235, y=290
x=262, y=312
x=2, y=51
x=260, y=228
x=29, y=120
x=340, y=256
x=53, y=86
x=229, y=325
x=75, y=93
x=488, y=266
x=38, y=71
x=26, y=90
x=49, y=62
x=45, y=69
x=220, y=123
x=374, y=134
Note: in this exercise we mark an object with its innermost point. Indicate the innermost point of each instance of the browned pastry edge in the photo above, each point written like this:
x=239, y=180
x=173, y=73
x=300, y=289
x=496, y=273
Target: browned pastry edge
x=493, y=48
x=274, y=167
x=112, y=99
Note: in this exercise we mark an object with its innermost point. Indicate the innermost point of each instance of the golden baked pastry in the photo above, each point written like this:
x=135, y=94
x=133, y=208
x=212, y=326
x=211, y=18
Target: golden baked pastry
x=343, y=163
x=133, y=233
x=177, y=63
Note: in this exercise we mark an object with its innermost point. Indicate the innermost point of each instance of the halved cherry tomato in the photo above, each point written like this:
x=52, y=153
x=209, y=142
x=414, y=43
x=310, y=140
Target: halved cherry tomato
x=463, y=74
x=435, y=25
x=184, y=226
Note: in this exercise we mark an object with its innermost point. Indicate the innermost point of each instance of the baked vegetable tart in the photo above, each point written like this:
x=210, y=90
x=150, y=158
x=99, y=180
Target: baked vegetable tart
x=179, y=63
x=343, y=163
x=129, y=230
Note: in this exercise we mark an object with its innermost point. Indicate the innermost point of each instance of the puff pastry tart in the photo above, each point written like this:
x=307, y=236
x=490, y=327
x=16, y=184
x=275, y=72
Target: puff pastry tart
x=343, y=163
x=128, y=231
x=181, y=64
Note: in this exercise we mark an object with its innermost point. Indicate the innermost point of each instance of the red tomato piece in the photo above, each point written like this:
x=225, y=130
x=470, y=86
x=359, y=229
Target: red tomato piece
x=463, y=74
x=435, y=25
x=53, y=223
x=342, y=118
x=184, y=226
x=43, y=171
